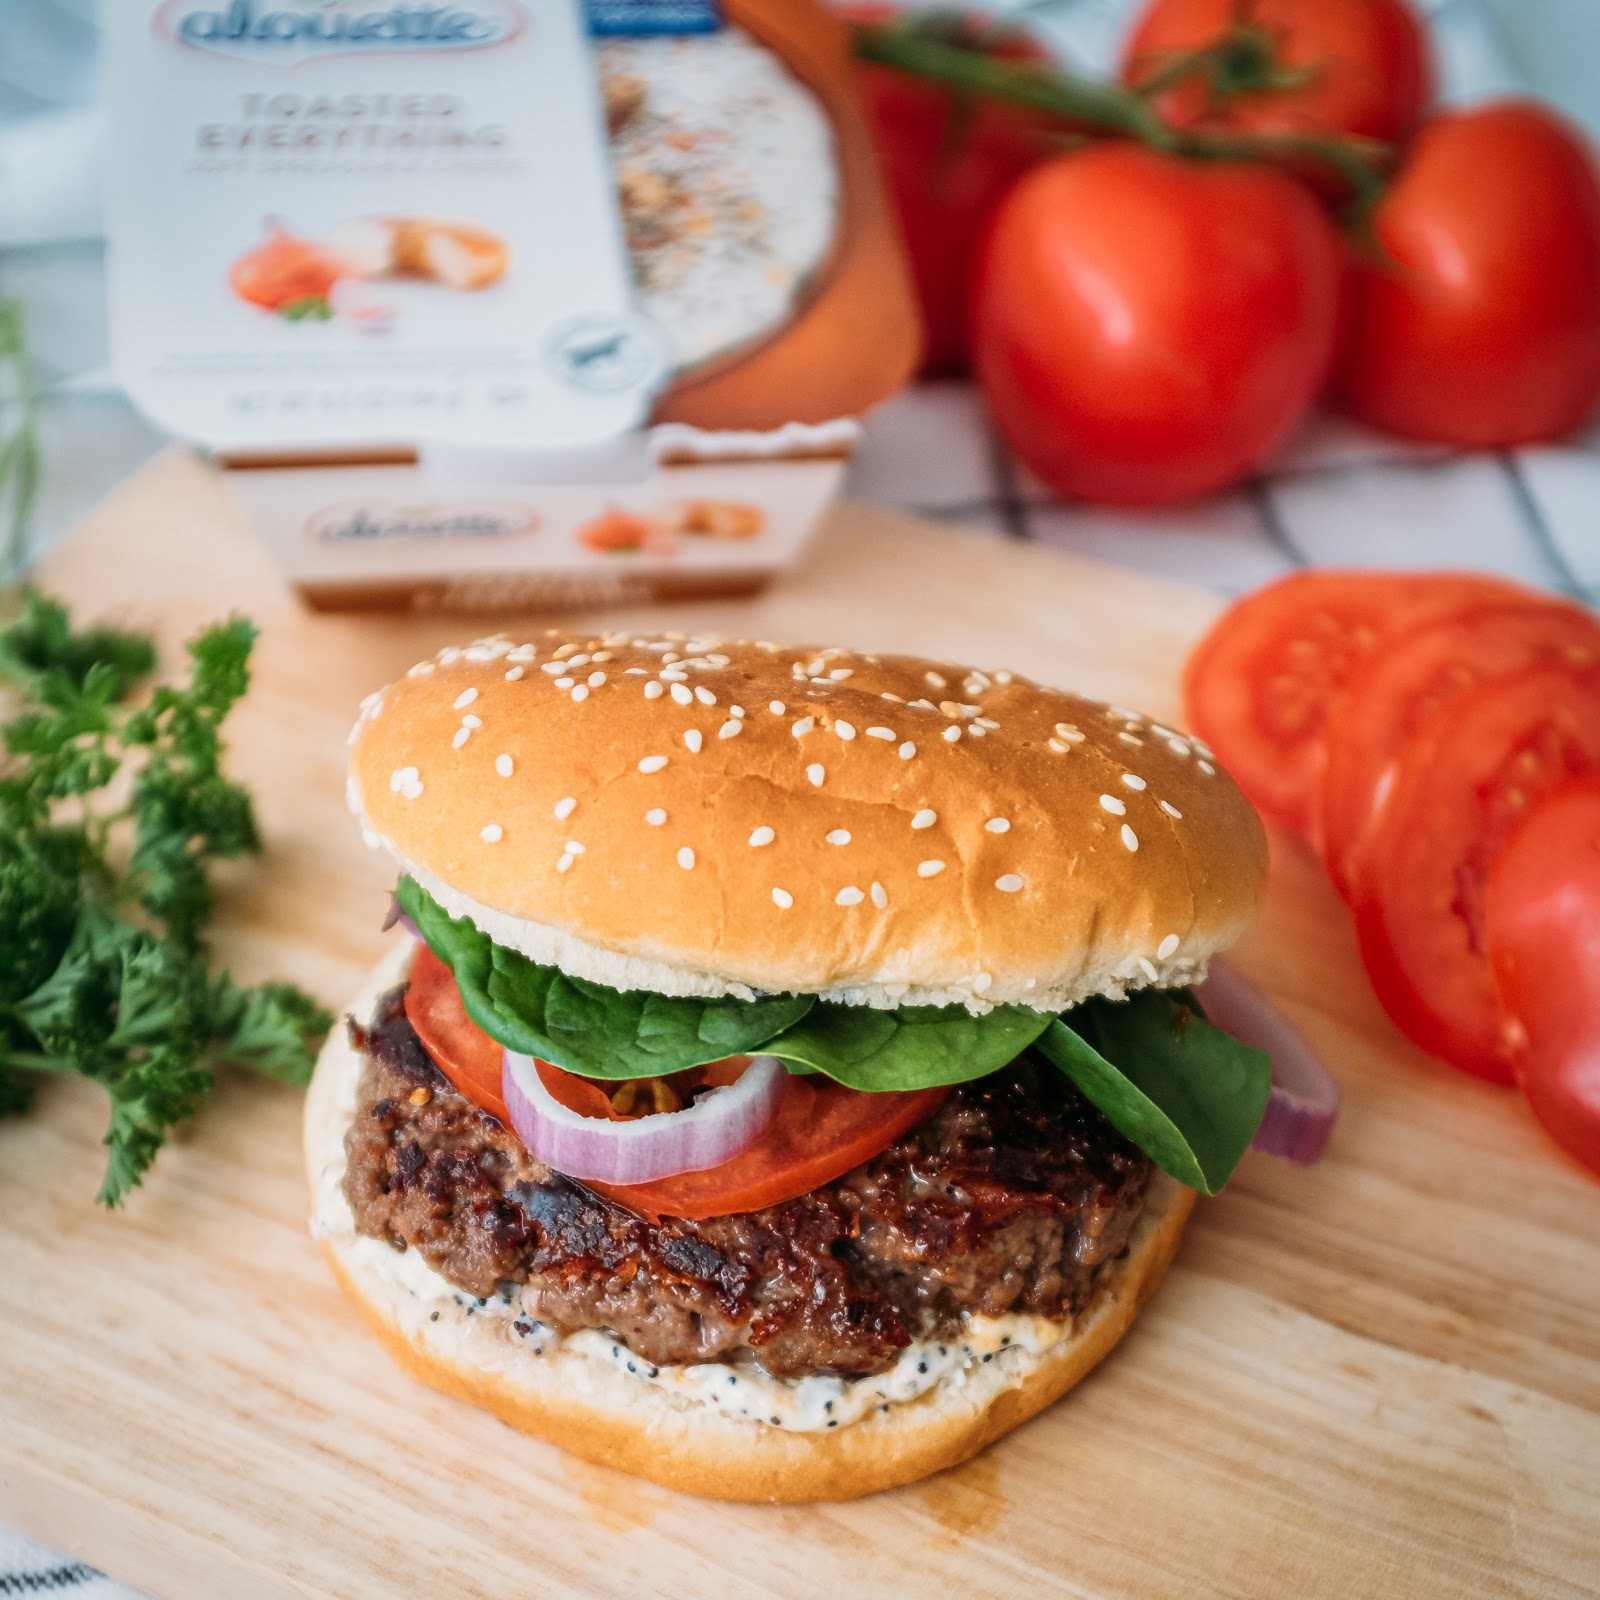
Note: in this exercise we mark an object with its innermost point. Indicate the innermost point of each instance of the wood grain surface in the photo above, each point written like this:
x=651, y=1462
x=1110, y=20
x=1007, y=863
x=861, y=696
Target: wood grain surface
x=1376, y=1377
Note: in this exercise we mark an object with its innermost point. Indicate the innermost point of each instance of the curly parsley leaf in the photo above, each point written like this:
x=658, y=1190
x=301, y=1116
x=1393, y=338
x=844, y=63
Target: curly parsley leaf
x=103, y=905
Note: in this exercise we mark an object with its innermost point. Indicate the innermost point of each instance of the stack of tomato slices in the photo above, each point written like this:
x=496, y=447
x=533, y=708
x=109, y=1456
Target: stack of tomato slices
x=820, y=1132
x=1407, y=726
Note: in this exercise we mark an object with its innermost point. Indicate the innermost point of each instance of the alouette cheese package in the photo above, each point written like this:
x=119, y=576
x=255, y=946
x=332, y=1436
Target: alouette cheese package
x=503, y=303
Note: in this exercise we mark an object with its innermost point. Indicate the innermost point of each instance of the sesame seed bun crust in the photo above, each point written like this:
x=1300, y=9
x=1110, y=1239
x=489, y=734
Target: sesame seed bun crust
x=692, y=816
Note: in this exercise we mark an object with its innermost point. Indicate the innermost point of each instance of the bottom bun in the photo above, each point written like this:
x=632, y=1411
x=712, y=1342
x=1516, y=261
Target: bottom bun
x=563, y=1391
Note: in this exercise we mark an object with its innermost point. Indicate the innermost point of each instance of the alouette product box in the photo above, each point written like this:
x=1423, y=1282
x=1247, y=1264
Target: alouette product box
x=503, y=303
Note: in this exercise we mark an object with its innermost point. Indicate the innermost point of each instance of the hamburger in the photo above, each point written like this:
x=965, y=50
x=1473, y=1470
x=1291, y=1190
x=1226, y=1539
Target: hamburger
x=787, y=1080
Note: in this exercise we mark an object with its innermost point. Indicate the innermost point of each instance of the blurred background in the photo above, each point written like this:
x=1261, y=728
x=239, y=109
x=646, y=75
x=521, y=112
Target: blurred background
x=1337, y=493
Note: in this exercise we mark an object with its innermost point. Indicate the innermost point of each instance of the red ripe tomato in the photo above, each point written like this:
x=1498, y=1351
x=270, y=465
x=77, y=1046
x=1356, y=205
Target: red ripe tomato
x=1259, y=686
x=947, y=164
x=1466, y=778
x=1481, y=325
x=1147, y=328
x=1365, y=63
x=1541, y=916
x=1400, y=686
x=821, y=1130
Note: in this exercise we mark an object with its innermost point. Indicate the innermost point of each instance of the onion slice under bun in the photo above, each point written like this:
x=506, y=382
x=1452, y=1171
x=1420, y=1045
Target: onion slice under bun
x=714, y=1129
x=1304, y=1102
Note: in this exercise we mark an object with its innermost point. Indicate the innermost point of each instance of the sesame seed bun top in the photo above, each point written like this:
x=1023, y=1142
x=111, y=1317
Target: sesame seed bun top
x=699, y=817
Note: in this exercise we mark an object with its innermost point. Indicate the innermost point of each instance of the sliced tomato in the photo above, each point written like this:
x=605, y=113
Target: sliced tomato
x=821, y=1131
x=1260, y=684
x=1541, y=915
x=461, y=1050
x=1396, y=689
x=1466, y=778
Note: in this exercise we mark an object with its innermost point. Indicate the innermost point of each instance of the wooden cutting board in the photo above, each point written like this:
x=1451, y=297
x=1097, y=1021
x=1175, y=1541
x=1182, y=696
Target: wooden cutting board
x=1376, y=1377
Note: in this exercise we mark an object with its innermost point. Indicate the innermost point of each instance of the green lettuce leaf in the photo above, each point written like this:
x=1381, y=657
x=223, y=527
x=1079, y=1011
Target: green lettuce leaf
x=1183, y=1091
x=586, y=1027
x=912, y=1047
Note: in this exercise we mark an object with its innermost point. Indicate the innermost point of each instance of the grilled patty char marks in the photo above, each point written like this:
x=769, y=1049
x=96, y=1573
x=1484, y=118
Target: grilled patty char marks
x=1010, y=1198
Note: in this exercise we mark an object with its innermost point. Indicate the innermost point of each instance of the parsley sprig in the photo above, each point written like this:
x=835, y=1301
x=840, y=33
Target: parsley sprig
x=113, y=806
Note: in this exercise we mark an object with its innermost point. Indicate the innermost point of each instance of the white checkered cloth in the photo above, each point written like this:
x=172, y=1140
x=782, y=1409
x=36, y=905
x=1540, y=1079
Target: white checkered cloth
x=1337, y=495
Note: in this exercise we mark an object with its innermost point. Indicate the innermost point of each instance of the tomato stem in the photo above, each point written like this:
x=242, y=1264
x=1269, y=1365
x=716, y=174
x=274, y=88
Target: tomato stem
x=920, y=44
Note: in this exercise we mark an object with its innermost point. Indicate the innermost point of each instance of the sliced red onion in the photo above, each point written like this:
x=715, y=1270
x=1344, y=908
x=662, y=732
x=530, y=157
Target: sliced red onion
x=398, y=919
x=1304, y=1102
x=719, y=1124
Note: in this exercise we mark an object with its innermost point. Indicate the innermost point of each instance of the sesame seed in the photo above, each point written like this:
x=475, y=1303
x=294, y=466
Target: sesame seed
x=565, y=683
x=565, y=807
x=504, y=766
x=470, y=721
x=907, y=750
x=579, y=660
x=563, y=863
x=845, y=730
x=1178, y=747
x=553, y=666
x=929, y=869
x=1129, y=837
x=652, y=763
x=933, y=680
x=565, y=651
x=1072, y=734
x=997, y=825
x=1167, y=947
x=838, y=836
x=1059, y=748
x=881, y=733
x=1132, y=780
x=492, y=833
x=776, y=707
x=1170, y=809
x=925, y=818
x=398, y=778
x=673, y=674
x=654, y=690
x=762, y=836
x=730, y=729
x=952, y=733
x=1117, y=808
x=692, y=741
x=681, y=694
x=816, y=773
x=782, y=899
x=655, y=816
x=1009, y=882
x=1148, y=968
x=573, y=848
x=462, y=735
x=849, y=896
x=596, y=679
x=880, y=896
x=1206, y=767
x=1129, y=738
x=465, y=699
x=515, y=673
x=685, y=857
x=704, y=695
x=736, y=711
x=804, y=726
x=580, y=693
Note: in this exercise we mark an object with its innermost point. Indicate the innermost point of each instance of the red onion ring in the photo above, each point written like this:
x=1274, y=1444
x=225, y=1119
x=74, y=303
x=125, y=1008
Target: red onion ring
x=1304, y=1102
x=720, y=1124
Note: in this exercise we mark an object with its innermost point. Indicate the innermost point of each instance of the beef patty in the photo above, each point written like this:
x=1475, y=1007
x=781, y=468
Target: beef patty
x=1012, y=1197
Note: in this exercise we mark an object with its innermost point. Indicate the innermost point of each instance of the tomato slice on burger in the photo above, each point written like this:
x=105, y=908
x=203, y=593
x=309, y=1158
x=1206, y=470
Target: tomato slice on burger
x=461, y=1050
x=1542, y=926
x=1466, y=779
x=1259, y=686
x=820, y=1132
x=1395, y=691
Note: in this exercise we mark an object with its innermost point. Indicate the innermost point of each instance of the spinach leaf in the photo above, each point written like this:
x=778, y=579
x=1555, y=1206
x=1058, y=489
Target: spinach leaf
x=913, y=1047
x=586, y=1027
x=1188, y=1095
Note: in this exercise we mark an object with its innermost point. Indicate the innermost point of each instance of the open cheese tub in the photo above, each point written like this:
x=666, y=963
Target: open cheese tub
x=519, y=304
